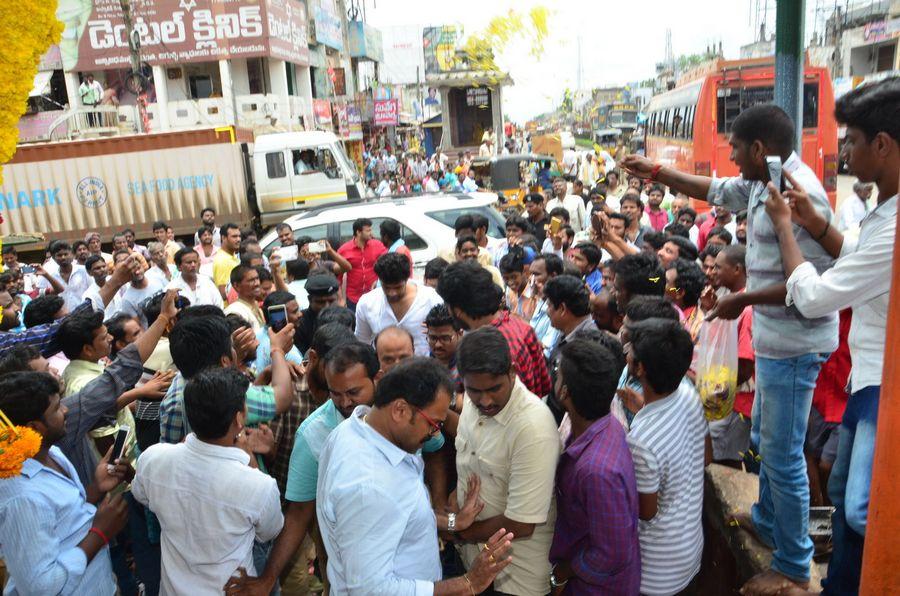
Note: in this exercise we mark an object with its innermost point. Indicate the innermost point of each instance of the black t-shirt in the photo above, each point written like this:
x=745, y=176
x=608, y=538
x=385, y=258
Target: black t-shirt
x=304, y=333
x=537, y=229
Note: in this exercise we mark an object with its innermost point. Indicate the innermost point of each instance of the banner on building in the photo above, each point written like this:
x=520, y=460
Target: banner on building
x=354, y=120
x=387, y=112
x=322, y=112
x=328, y=25
x=439, y=46
x=180, y=31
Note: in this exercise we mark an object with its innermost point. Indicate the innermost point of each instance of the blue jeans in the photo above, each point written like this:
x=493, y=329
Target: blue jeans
x=848, y=488
x=784, y=390
x=261, y=552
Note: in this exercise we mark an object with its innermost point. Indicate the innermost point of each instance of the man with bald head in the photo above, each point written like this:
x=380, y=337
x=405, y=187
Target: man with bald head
x=393, y=345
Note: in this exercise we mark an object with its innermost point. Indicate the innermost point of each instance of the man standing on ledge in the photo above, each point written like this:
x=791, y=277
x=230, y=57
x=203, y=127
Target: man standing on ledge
x=790, y=348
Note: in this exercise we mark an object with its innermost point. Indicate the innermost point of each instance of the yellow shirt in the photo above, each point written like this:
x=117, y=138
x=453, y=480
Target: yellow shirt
x=515, y=454
x=223, y=263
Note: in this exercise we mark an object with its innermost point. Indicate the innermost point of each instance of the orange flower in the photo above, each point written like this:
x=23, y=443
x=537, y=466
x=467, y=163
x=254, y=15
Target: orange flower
x=15, y=448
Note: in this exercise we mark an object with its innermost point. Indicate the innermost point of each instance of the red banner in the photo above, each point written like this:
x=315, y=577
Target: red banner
x=387, y=112
x=322, y=111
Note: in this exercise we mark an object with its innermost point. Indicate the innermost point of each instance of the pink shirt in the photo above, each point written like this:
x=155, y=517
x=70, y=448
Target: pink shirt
x=658, y=220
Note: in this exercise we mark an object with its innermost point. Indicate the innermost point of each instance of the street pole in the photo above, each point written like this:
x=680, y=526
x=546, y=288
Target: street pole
x=789, y=62
x=881, y=556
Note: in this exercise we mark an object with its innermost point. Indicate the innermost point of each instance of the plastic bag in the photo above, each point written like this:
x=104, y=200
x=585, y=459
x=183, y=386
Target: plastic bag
x=717, y=367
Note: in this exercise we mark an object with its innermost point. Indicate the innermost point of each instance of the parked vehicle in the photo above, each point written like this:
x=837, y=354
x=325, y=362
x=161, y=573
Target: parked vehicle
x=63, y=190
x=515, y=175
x=426, y=222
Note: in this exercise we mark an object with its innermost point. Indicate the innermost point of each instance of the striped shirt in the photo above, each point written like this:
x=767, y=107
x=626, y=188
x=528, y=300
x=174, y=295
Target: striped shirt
x=779, y=331
x=667, y=442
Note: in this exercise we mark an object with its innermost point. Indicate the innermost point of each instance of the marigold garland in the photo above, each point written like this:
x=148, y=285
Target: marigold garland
x=17, y=443
x=28, y=28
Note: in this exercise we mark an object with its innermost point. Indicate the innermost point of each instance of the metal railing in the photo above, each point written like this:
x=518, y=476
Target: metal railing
x=85, y=121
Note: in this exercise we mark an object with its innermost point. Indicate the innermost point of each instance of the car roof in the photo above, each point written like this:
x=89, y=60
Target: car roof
x=424, y=203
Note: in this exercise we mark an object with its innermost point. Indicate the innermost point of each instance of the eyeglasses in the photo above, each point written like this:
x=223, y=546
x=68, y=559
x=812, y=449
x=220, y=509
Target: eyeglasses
x=440, y=339
x=436, y=427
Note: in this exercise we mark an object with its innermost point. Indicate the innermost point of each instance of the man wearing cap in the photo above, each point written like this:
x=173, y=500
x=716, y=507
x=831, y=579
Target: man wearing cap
x=323, y=290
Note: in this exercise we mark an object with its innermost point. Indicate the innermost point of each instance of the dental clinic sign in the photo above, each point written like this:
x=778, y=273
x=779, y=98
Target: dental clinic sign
x=179, y=31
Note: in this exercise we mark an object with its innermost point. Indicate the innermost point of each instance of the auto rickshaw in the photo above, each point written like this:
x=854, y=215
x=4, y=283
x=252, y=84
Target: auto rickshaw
x=514, y=176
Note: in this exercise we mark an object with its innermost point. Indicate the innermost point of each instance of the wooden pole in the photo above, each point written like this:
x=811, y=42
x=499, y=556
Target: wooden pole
x=881, y=557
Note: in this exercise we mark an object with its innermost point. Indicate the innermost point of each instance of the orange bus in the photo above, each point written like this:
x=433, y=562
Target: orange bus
x=689, y=126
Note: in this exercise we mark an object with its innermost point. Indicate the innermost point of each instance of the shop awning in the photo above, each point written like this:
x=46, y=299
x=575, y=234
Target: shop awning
x=41, y=83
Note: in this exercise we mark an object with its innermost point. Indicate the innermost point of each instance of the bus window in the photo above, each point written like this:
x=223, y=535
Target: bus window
x=676, y=123
x=811, y=105
x=732, y=102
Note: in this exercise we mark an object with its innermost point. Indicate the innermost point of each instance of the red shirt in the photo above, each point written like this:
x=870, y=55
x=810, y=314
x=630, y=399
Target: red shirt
x=830, y=396
x=658, y=219
x=362, y=277
x=526, y=351
x=743, y=401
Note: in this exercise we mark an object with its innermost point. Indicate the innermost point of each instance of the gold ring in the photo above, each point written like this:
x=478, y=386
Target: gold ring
x=487, y=548
x=491, y=557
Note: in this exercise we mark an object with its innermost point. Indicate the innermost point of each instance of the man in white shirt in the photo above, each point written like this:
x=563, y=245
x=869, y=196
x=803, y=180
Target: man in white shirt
x=854, y=208
x=90, y=91
x=211, y=502
x=860, y=279
x=136, y=292
x=73, y=277
x=574, y=205
x=469, y=184
x=431, y=183
x=384, y=188
x=194, y=286
x=245, y=281
x=98, y=270
x=570, y=164
x=390, y=545
x=396, y=302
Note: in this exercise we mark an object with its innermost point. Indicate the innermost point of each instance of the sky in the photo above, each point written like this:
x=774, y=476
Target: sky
x=621, y=41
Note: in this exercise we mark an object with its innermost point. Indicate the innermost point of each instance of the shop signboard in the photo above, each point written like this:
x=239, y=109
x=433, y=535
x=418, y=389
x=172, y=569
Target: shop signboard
x=328, y=25
x=387, y=112
x=181, y=31
x=322, y=112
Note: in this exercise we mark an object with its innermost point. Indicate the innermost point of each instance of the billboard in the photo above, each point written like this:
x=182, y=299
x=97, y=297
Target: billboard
x=322, y=111
x=387, y=112
x=328, y=25
x=439, y=46
x=181, y=31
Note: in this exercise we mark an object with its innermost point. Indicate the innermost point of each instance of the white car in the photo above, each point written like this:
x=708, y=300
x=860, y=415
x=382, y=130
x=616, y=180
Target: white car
x=426, y=222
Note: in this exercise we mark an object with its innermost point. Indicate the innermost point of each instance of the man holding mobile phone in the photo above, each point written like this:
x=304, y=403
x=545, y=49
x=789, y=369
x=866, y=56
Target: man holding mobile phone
x=789, y=347
x=278, y=306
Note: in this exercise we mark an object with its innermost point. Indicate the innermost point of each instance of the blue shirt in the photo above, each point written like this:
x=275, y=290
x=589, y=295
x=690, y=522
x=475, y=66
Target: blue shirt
x=264, y=351
x=43, y=517
x=374, y=515
x=594, y=280
x=308, y=443
x=546, y=333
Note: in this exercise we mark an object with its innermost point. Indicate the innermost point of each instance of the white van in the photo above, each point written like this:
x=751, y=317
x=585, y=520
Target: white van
x=301, y=170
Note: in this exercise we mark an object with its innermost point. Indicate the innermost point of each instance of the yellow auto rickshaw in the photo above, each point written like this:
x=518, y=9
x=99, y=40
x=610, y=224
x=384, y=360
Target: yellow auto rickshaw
x=514, y=176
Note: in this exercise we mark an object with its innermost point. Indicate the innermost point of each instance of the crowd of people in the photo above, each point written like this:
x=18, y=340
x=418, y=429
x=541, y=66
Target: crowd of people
x=529, y=417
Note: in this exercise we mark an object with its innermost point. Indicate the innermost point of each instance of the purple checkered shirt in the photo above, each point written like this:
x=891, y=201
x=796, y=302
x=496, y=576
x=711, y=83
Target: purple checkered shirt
x=597, y=512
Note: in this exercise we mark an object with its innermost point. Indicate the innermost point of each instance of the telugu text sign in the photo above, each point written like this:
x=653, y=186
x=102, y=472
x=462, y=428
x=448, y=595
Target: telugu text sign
x=387, y=112
x=179, y=31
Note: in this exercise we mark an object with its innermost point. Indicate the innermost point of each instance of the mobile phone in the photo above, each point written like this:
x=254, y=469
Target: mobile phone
x=555, y=224
x=118, y=446
x=27, y=269
x=182, y=303
x=277, y=317
x=316, y=247
x=773, y=163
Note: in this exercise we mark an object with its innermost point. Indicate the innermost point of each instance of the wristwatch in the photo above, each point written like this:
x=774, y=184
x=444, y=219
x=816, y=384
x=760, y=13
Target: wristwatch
x=555, y=583
x=451, y=522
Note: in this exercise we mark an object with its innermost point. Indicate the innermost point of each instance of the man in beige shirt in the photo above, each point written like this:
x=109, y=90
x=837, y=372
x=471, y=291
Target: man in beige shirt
x=508, y=438
x=245, y=281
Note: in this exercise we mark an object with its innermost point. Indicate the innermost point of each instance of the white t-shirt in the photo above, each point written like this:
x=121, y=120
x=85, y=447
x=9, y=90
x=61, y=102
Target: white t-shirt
x=132, y=298
x=575, y=206
x=78, y=284
x=206, y=292
x=667, y=442
x=373, y=314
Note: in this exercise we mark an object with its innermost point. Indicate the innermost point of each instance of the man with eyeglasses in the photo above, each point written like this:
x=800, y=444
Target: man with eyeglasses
x=508, y=438
x=443, y=334
x=373, y=510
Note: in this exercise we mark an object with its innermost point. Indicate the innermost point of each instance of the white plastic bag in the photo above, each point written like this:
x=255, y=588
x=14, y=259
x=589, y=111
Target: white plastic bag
x=717, y=367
